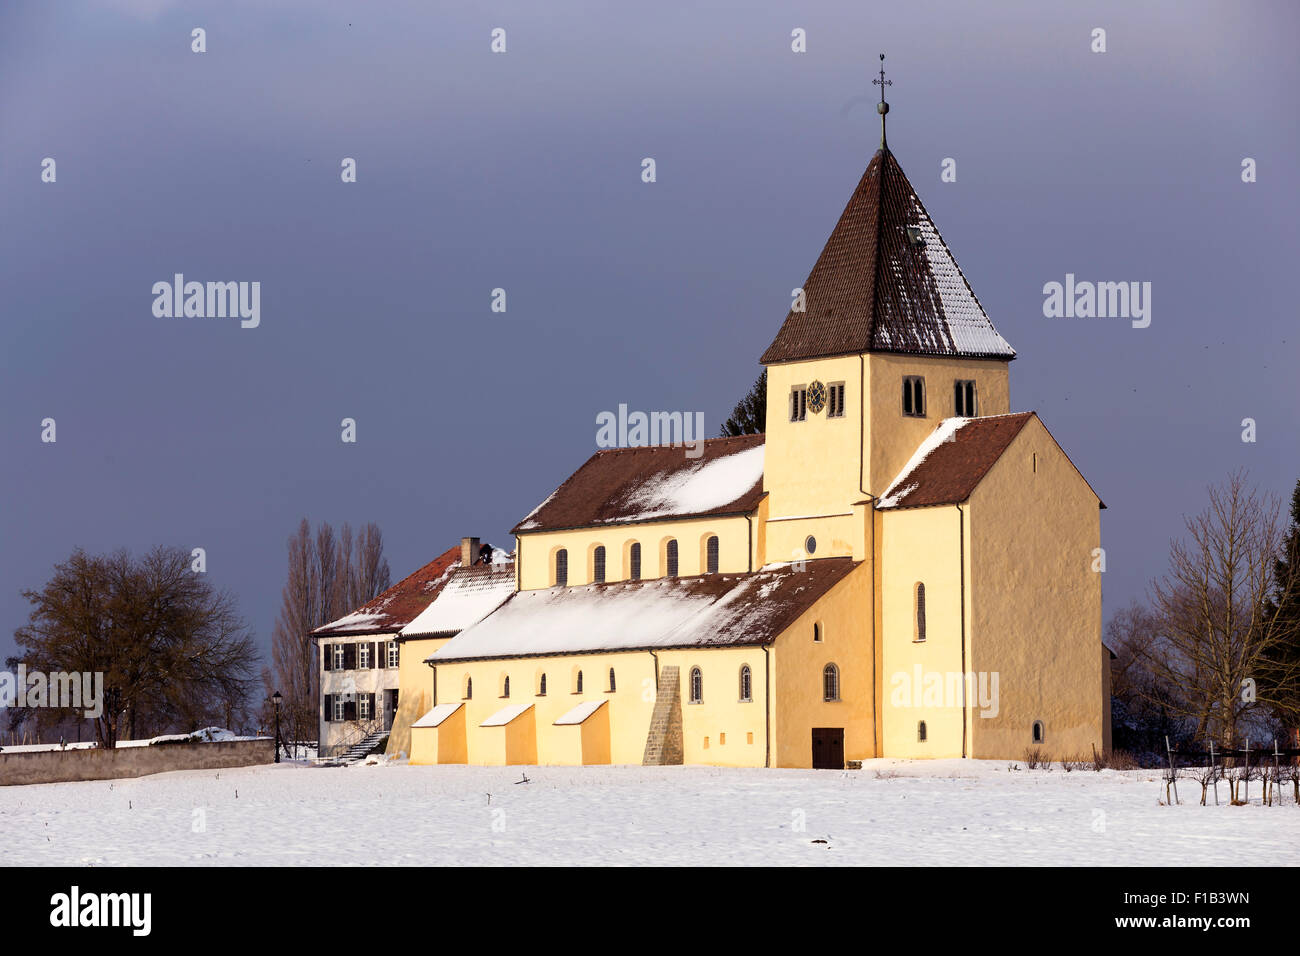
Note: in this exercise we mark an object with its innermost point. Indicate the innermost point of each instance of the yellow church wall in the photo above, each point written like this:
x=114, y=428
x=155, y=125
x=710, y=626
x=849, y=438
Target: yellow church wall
x=838, y=536
x=535, y=551
x=627, y=708
x=1036, y=602
x=892, y=436
x=721, y=730
x=921, y=545
x=811, y=467
x=415, y=690
x=843, y=616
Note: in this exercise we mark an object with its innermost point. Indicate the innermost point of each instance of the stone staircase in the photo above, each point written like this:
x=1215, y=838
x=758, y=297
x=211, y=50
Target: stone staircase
x=663, y=746
x=363, y=747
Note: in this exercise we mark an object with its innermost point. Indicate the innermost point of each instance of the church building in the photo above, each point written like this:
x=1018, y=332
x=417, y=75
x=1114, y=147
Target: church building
x=901, y=566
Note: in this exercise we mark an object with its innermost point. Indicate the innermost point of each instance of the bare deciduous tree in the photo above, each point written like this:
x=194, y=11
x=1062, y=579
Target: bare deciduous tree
x=328, y=576
x=1216, y=634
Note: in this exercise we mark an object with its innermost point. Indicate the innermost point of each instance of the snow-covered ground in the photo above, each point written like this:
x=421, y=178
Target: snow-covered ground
x=946, y=812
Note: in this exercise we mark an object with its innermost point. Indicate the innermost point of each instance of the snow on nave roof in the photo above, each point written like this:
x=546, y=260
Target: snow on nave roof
x=706, y=610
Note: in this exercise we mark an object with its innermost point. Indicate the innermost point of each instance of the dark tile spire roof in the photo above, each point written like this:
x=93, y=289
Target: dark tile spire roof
x=886, y=282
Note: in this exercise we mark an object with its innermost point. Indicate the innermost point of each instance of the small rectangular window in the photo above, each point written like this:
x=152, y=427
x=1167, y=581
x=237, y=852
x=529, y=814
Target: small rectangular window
x=964, y=399
x=835, y=401
x=363, y=656
x=914, y=396
x=798, y=404
x=338, y=657
x=394, y=653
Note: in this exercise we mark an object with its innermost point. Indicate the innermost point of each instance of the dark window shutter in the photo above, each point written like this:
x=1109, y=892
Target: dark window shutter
x=327, y=656
x=374, y=650
x=349, y=657
x=350, y=710
x=329, y=707
x=373, y=713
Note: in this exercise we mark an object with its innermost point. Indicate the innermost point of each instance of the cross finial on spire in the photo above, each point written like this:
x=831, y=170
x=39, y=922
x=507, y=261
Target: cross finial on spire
x=882, y=107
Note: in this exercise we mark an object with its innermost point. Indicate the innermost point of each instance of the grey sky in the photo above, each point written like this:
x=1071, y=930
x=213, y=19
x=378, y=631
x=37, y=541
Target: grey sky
x=523, y=171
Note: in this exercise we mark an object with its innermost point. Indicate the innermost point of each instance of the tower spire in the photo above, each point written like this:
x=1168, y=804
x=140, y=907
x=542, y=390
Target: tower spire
x=882, y=107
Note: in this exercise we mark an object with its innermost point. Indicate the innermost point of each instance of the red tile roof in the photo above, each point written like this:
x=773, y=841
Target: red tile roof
x=398, y=606
x=875, y=288
x=654, y=483
x=963, y=451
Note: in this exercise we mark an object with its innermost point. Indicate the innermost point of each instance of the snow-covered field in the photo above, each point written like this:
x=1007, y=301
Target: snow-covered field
x=891, y=812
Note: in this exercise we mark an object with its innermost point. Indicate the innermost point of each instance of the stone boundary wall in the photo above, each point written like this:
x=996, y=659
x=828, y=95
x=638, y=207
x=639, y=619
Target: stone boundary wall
x=62, y=766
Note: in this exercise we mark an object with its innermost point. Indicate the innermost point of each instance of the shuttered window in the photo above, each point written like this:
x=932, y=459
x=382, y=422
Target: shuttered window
x=798, y=404
x=835, y=401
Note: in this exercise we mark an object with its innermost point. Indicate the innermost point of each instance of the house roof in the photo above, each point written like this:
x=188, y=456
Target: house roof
x=709, y=610
x=394, y=609
x=469, y=595
x=656, y=482
x=875, y=289
x=952, y=460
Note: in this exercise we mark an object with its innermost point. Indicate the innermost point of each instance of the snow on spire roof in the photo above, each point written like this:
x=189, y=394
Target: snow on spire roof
x=887, y=282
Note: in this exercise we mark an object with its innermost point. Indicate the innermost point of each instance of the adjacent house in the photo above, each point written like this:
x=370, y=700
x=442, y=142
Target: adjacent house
x=374, y=681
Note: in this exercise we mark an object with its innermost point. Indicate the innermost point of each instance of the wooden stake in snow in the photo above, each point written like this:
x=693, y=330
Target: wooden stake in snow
x=1214, y=777
x=1247, y=799
x=1277, y=770
x=1173, y=775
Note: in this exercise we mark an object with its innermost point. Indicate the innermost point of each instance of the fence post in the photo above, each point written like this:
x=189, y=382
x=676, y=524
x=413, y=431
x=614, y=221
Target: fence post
x=1247, y=799
x=1214, y=776
x=1277, y=771
x=1173, y=774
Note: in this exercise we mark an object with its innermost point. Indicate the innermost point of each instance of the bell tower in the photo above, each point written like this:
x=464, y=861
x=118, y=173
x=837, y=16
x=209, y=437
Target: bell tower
x=887, y=340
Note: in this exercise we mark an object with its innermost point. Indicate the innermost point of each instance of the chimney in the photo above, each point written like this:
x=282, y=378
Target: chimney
x=468, y=551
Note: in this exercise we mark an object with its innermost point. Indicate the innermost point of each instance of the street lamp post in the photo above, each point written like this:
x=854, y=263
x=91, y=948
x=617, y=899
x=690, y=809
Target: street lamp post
x=276, y=698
